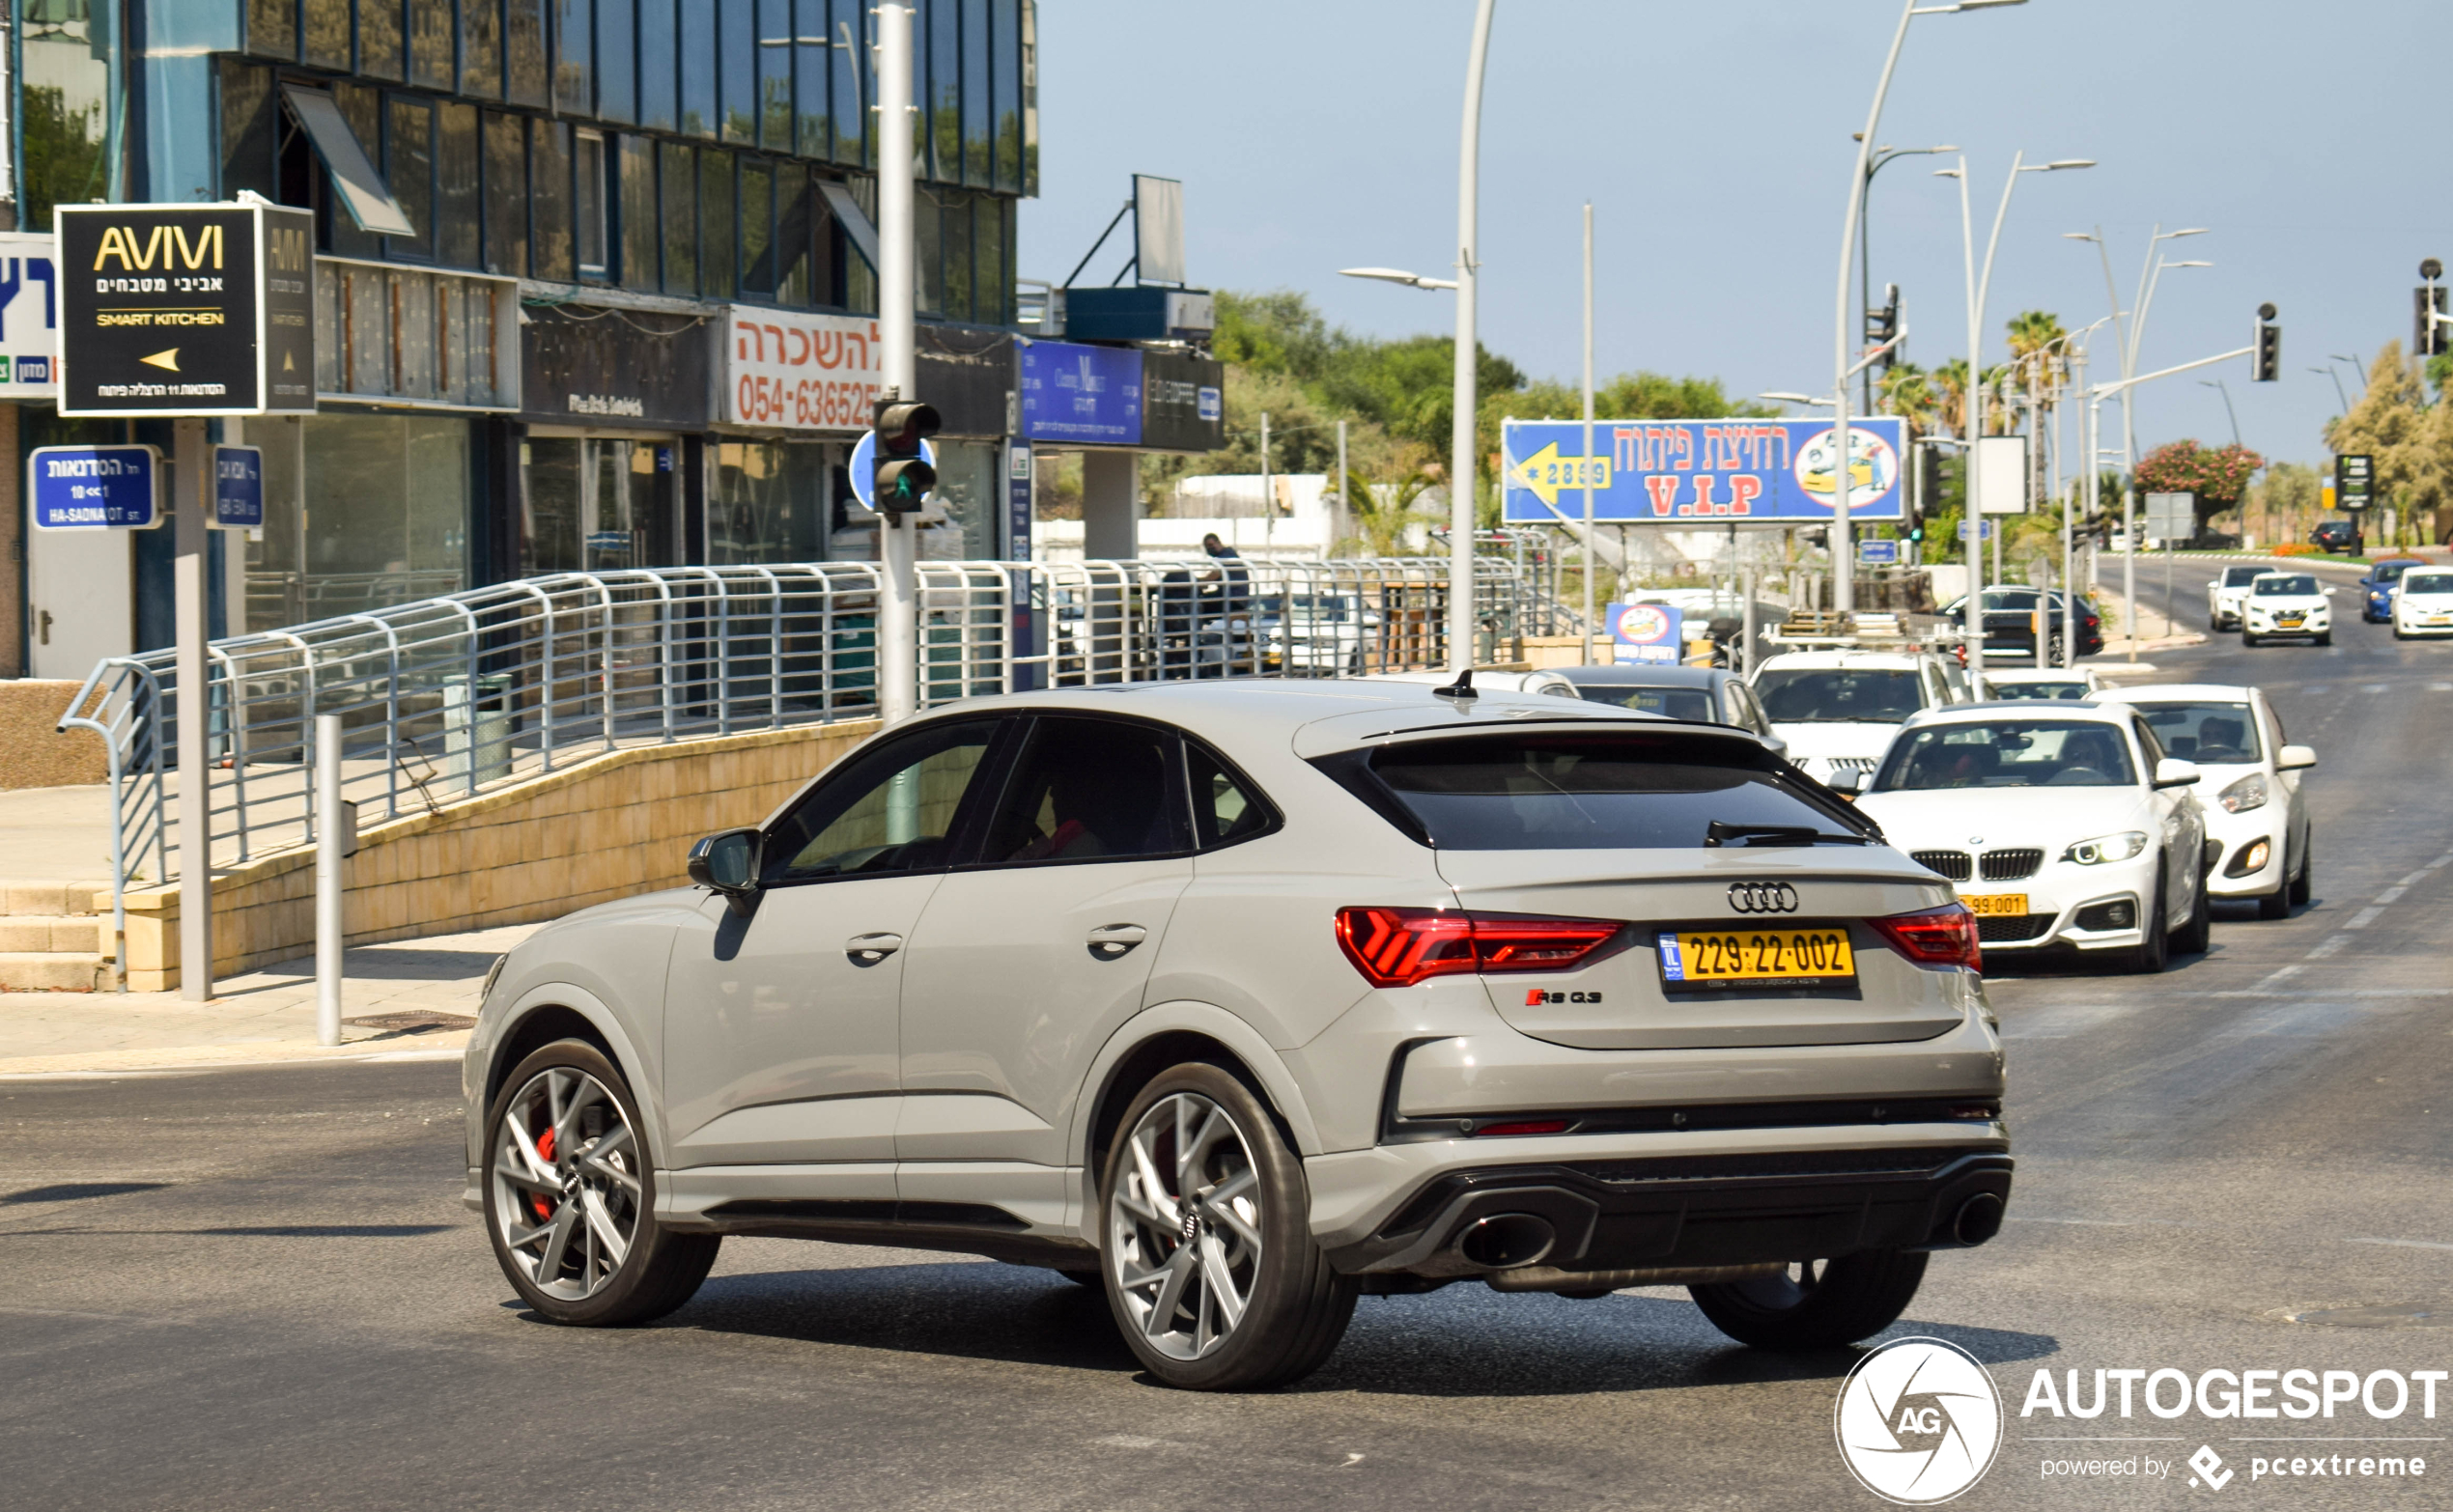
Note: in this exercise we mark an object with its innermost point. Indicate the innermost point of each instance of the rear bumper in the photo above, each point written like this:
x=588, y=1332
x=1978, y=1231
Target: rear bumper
x=1936, y=1185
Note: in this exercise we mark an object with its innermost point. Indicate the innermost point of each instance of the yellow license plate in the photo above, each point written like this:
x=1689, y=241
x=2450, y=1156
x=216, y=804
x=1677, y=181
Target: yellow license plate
x=2289, y=621
x=2004, y=904
x=1755, y=955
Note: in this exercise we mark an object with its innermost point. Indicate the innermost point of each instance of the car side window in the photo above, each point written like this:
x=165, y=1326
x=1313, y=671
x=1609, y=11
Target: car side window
x=891, y=809
x=1226, y=806
x=1089, y=790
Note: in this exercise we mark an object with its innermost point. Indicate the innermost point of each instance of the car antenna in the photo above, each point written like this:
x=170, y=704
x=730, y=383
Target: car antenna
x=1460, y=690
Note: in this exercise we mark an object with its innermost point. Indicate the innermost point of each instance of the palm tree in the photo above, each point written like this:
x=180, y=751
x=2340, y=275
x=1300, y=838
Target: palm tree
x=1908, y=391
x=1950, y=388
x=1384, y=507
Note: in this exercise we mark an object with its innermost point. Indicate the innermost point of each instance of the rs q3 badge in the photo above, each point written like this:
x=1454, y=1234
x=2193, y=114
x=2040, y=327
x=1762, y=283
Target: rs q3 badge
x=1762, y=897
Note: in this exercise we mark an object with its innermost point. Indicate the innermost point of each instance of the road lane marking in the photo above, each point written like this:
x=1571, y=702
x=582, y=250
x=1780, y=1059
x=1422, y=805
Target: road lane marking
x=2440, y=687
x=2337, y=993
x=2403, y=1244
x=2362, y=919
x=2419, y=876
x=2372, y=688
x=2327, y=946
x=2391, y=894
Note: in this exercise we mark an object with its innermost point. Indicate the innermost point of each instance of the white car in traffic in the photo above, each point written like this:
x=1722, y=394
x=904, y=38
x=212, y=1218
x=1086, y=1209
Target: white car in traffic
x=2250, y=792
x=2066, y=826
x=2226, y=591
x=1838, y=710
x=2423, y=604
x=2287, y=605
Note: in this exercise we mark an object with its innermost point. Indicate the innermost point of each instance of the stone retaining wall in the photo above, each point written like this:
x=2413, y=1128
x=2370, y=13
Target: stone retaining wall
x=34, y=751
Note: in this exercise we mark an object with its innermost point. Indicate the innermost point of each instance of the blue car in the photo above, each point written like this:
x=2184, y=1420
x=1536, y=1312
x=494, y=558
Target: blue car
x=2376, y=603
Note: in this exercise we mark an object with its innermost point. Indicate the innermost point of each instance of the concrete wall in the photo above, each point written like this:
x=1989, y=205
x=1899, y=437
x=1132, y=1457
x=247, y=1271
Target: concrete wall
x=34, y=751
x=609, y=828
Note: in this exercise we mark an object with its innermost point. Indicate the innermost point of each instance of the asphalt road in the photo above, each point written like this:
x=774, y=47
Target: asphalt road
x=256, y=1289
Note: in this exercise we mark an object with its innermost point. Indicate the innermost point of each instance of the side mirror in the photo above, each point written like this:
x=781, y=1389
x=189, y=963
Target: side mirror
x=2174, y=773
x=727, y=863
x=2294, y=758
x=1848, y=782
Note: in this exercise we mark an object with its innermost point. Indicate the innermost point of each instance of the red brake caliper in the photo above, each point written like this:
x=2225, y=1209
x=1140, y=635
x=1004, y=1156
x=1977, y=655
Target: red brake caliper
x=544, y=1151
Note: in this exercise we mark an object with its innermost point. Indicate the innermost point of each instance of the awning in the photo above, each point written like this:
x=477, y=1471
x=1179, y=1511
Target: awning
x=363, y=189
x=857, y=226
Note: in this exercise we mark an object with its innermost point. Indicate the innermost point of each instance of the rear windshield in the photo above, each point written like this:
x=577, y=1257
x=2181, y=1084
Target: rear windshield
x=2279, y=585
x=2008, y=753
x=1693, y=704
x=2428, y=582
x=1838, y=695
x=1615, y=790
x=2389, y=571
x=2071, y=690
x=2240, y=577
x=2204, y=732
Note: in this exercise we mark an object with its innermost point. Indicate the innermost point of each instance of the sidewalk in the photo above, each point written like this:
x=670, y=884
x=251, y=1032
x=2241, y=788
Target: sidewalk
x=2155, y=630
x=422, y=991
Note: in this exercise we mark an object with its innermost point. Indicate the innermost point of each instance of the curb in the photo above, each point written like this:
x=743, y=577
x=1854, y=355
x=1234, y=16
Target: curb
x=217, y=1057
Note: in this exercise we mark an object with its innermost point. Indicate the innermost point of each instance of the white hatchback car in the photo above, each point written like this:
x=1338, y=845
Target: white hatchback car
x=1239, y=1000
x=2254, y=810
x=2423, y=604
x=1838, y=710
x=2285, y=606
x=2063, y=825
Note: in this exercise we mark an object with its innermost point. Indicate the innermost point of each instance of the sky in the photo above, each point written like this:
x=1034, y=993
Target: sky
x=1715, y=142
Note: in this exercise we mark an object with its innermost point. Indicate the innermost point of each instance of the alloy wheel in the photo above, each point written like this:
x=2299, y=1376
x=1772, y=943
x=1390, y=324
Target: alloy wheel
x=1184, y=1223
x=566, y=1183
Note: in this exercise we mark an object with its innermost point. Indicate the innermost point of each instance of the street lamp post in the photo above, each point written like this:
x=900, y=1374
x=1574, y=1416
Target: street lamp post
x=1588, y=467
x=1461, y=440
x=1882, y=156
x=1843, y=555
x=2218, y=386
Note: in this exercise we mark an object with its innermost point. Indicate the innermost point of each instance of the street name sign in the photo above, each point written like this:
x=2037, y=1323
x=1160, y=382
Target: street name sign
x=1878, y=554
x=238, y=488
x=185, y=310
x=94, y=487
x=1682, y=472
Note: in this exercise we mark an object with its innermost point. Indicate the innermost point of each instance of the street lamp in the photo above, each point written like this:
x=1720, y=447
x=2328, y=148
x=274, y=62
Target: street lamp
x=2329, y=371
x=2218, y=386
x=1398, y=275
x=1842, y=555
x=1865, y=255
x=2359, y=370
x=1781, y=397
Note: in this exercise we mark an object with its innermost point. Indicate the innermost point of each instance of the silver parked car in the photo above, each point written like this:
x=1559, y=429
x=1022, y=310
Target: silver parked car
x=1242, y=1000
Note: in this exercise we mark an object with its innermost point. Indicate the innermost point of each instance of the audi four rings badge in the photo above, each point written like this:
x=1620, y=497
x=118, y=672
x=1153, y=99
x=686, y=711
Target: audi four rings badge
x=1762, y=897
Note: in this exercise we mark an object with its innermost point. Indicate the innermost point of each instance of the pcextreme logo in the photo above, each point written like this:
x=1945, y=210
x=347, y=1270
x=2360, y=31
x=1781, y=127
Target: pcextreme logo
x=1918, y=1422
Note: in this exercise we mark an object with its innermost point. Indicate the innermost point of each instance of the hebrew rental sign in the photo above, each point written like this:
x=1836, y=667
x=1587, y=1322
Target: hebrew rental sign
x=804, y=372
x=1699, y=472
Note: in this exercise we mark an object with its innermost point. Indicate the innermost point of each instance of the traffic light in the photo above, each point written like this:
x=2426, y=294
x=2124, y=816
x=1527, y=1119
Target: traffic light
x=2270, y=347
x=903, y=476
x=1882, y=326
x=2427, y=315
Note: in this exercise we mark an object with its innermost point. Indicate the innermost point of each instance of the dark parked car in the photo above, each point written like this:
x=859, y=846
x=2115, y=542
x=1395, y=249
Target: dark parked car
x=2336, y=535
x=1705, y=695
x=2009, y=624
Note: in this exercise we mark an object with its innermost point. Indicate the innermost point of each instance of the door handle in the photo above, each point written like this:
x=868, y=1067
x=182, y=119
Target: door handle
x=868, y=950
x=1110, y=941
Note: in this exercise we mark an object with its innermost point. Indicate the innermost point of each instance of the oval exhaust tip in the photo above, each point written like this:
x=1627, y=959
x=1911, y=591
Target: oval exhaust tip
x=1505, y=1240
x=1979, y=1218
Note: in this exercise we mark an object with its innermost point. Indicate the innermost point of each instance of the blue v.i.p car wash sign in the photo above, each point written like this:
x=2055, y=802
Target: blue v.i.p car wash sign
x=1699, y=472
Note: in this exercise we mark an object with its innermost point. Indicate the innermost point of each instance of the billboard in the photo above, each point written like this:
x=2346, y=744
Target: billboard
x=29, y=314
x=1071, y=392
x=1698, y=472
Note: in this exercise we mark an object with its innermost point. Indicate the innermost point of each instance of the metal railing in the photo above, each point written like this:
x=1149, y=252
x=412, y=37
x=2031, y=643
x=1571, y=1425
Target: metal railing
x=444, y=698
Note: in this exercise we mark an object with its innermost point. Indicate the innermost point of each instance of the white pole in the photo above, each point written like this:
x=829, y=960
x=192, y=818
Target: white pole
x=1843, y=557
x=191, y=466
x=1268, y=498
x=1972, y=427
x=1587, y=434
x=1345, y=507
x=899, y=628
x=1463, y=443
x=2069, y=531
x=329, y=860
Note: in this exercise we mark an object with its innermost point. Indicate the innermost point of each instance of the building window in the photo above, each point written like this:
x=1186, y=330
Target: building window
x=616, y=61
x=978, y=117
x=459, y=217
x=550, y=201
x=757, y=230
x=480, y=46
x=525, y=77
x=248, y=120
x=849, y=97
x=639, y=213
x=273, y=31
x=811, y=67
x=941, y=96
x=593, y=504
x=66, y=84
x=992, y=287
x=775, y=48
x=954, y=231
x=765, y=502
x=658, y=107
x=737, y=68
x=387, y=504
x=575, y=56
x=793, y=234
x=680, y=189
x=380, y=52
x=1005, y=73
x=409, y=168
x=506, y=194
x=698, y=52
x=325, y=34
x=928, y=250
x=715, y=222
x=430, y=44
x=587, y=202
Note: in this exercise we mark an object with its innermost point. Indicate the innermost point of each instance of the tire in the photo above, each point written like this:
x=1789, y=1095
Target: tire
x=2276, y=905
x=1294, y=1309
x=2327, y=639
x=2304, y=886
x=601, y=1189
x=2249, y=641
x=2155, y=953
x=1819, y=1303
x=2197, y=936
x=2397, y=632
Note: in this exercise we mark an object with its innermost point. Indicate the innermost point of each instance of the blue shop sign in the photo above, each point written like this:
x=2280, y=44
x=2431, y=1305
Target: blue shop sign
x=1071, y=392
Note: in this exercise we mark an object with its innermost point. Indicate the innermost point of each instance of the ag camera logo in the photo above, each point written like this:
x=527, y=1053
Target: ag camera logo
x=1918, y=1422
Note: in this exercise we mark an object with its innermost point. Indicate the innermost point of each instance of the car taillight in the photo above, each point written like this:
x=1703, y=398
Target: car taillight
x=1398, y=947
x=1944, y=936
